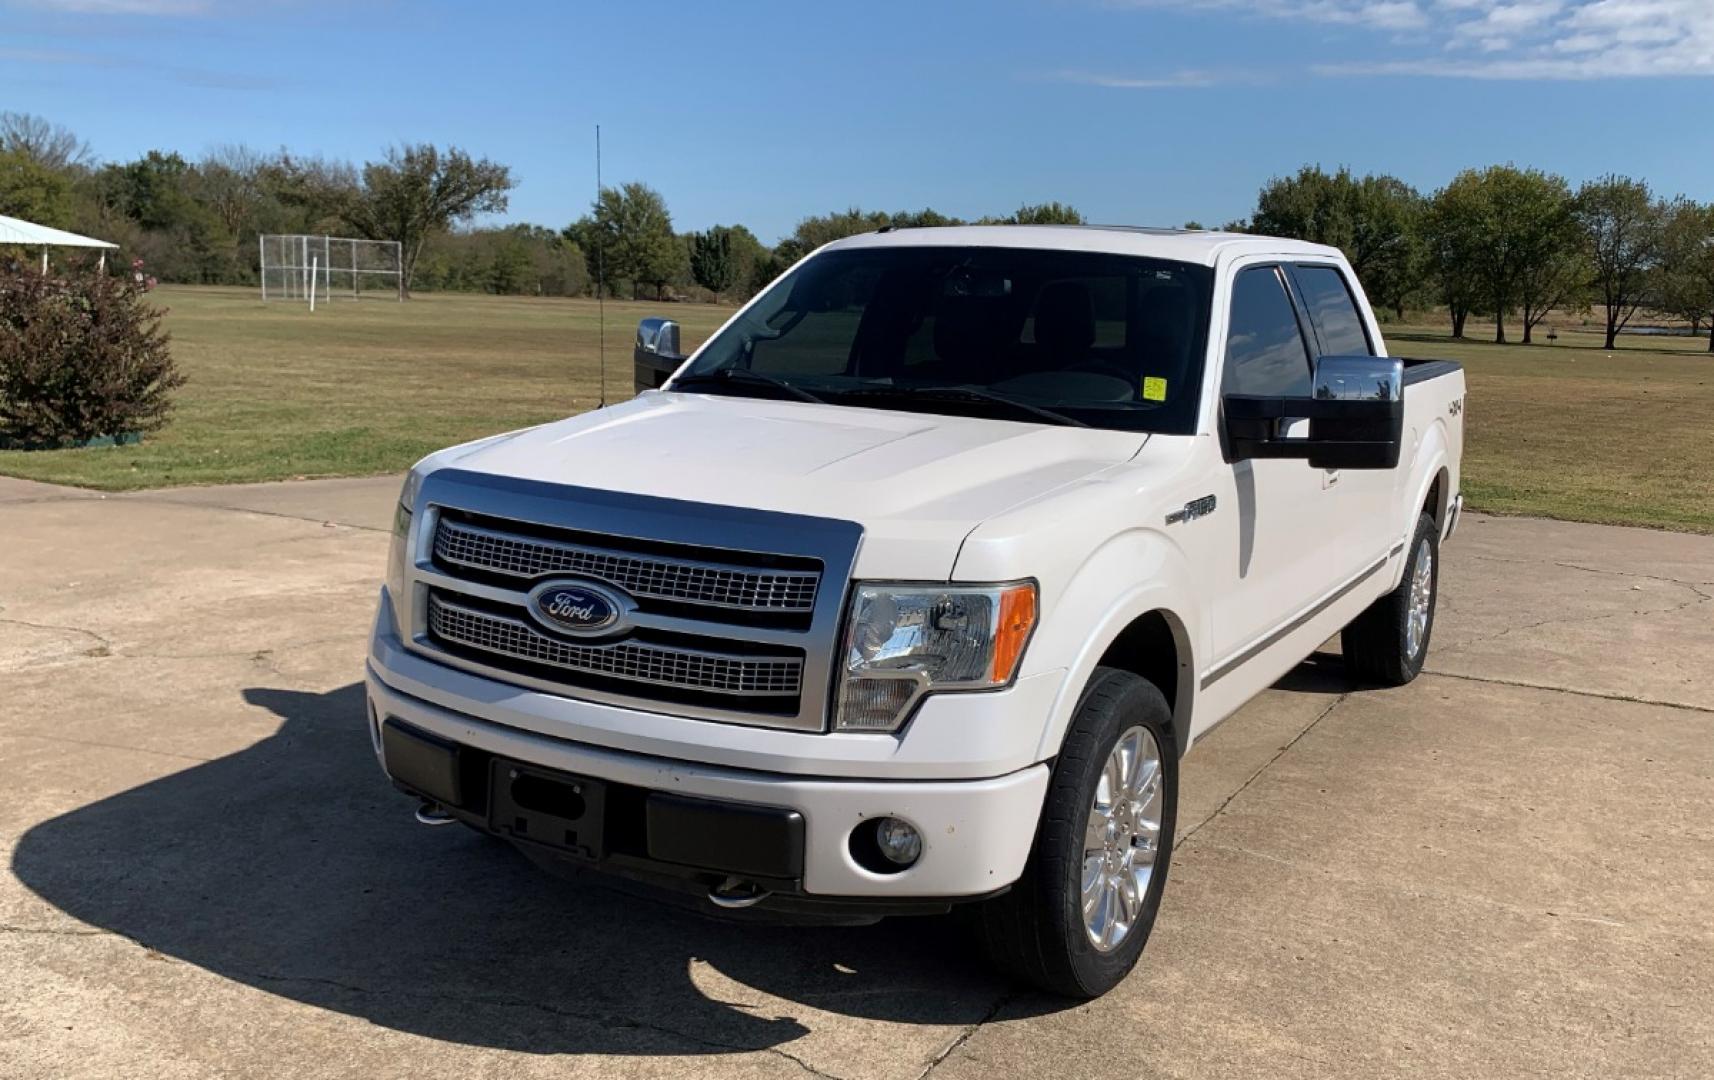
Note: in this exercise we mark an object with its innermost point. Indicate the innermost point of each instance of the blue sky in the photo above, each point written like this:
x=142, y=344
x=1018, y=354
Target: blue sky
x=1135, y=111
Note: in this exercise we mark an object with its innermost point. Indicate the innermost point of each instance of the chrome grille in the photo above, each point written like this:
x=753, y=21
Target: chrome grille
x=681, y=580
x=659, y=665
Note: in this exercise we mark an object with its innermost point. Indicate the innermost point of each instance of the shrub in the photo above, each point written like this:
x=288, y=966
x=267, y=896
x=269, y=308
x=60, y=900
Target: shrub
x=81, y=356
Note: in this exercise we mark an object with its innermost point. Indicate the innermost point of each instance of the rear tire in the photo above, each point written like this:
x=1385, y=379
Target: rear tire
x=1039, y=931
x=1388, y=643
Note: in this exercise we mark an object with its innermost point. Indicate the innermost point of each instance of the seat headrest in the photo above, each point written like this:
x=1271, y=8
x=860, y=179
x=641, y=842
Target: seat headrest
x=1065, y=318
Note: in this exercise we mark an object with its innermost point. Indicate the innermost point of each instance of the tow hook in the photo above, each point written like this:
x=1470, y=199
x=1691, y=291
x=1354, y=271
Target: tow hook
x=431, y=814
x=735, y=893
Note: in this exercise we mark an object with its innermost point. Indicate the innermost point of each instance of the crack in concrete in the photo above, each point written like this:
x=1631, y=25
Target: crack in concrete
x=495, y=1001
x=159, y=500
x=101, y=643
x=1701, y=598
x=1245, y=786
x=52, y=931
x=1695, y=587
x=609, y=1019
x=1588, y=569
x=106, y=745
x=964, y=1036
x=1418, y=891
x=1602, y=695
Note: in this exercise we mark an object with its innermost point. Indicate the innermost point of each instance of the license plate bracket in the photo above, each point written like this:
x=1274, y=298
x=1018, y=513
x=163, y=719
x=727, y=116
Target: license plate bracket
x=553, y=809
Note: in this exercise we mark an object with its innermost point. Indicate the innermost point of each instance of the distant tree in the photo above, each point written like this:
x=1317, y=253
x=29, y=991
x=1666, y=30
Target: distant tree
x=1387, y=241
x=1195, y=226
x=34, y=192
x=229, y=180
x=176, y=232
x=631, y=234
x=509, y=270
x=1553, y=271
x=306, y=194
x=769, y=265
x=1048, y=213
x=812, y=232
x=1623, y=230
x=47, y=144
x=154, y=190
x=1452, y=233
x=1686, y=279
x=419, y=190
x=748, y=253
x=1520, y=244
x=925, y=218
x=713, y=263
x=1373, y=220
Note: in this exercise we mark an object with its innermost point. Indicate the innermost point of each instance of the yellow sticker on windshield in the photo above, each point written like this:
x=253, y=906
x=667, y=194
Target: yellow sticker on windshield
x=1154, y=389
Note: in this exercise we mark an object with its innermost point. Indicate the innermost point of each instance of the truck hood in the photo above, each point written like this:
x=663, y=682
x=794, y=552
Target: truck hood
x=917, y=483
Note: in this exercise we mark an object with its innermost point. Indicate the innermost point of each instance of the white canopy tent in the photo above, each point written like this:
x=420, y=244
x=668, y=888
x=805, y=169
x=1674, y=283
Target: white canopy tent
x=28, y=234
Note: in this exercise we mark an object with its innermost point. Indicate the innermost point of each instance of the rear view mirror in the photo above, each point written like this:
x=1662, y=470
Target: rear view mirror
x=656, y=354
x=1355, y=413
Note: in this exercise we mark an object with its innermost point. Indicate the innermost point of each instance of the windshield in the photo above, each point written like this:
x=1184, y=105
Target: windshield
x=1109, y=341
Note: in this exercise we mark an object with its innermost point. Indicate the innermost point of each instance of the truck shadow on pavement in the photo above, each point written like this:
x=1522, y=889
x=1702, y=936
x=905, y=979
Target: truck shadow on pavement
x=293, y=867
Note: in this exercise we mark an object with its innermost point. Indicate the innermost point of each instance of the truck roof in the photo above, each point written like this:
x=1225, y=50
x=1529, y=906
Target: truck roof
x=1182, y=245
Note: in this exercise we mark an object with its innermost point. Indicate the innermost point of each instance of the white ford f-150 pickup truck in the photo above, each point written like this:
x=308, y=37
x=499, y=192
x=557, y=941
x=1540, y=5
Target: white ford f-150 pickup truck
x=910, y=587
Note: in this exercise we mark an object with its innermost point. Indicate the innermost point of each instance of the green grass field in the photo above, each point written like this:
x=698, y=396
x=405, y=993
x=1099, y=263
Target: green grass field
x=1563, y=430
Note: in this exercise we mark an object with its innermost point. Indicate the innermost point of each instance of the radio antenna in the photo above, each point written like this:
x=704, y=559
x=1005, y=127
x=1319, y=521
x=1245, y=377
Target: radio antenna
x=600, y=279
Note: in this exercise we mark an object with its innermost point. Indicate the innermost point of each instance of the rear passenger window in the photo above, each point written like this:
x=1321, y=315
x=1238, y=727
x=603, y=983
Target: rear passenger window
x=1265, y=353
x=1333, y=311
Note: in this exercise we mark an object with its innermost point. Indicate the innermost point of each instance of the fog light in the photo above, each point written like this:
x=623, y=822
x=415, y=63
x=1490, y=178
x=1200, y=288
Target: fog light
x=898, y=840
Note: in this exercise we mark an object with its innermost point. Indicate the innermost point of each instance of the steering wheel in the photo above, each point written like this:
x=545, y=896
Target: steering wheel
x=1109, y=369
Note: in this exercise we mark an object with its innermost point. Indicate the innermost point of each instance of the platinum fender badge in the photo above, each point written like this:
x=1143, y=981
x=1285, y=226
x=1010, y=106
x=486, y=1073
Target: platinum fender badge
x=1192, y=510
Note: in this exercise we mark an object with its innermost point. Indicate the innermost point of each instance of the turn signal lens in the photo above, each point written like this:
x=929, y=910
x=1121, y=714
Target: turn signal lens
x=1017, y=619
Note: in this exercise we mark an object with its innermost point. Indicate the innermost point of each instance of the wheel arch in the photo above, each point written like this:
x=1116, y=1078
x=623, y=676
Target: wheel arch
x=1145, y=634
x=1156, y=646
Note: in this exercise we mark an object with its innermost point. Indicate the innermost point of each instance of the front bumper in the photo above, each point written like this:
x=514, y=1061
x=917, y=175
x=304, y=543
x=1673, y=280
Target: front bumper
x=976, y=833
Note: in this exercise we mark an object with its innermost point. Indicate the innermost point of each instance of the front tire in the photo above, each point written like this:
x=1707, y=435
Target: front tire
x=1388, y=643
x=1075, y=923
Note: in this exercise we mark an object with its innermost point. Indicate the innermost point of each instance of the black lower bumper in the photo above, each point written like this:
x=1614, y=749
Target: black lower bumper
x=670, y=843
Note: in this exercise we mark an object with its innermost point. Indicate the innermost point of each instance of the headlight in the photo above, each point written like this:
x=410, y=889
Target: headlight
x=398, y=553
x=903, y=641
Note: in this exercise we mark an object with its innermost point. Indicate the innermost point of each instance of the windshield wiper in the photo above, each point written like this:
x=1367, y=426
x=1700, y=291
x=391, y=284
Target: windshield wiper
x=752, y=378
x=968, y=393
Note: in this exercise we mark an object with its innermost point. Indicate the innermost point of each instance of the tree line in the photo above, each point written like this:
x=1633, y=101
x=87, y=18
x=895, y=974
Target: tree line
x=1504, y=243
x=1507, y=243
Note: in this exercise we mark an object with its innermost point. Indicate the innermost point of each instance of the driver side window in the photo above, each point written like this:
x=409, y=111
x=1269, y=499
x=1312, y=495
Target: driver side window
x=1265, y=350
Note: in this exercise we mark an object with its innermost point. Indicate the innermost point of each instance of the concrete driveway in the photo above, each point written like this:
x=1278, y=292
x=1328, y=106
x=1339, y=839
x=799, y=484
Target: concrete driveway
x=1505, y=869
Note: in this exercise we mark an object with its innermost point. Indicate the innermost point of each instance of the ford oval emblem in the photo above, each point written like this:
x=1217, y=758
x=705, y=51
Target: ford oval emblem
x=580, y=608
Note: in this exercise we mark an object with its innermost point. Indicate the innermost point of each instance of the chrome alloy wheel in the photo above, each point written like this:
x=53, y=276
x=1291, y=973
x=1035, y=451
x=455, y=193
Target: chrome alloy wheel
x=1421, y=599
x=1122, y=839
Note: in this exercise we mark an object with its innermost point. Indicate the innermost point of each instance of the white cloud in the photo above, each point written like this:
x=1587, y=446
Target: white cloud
x=1382, y=14
x=1508, y=39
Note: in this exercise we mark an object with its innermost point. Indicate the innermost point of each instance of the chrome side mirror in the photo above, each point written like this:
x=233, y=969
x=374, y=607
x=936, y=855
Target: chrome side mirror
x=656, y=354
x=1359, y=378
x=658, y=337
x=1355, y=410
